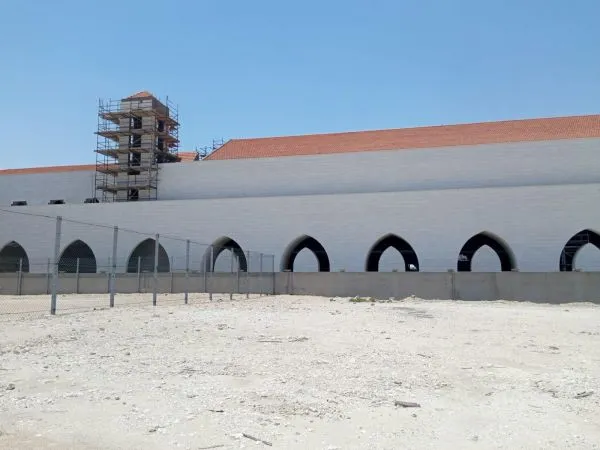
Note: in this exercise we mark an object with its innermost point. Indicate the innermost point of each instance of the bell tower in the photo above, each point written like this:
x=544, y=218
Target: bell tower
x=135, y=135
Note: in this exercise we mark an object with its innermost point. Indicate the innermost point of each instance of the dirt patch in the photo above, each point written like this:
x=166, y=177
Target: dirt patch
x=302, y=372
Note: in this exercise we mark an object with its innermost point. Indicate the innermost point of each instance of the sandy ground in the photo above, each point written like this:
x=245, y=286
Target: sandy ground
x=302, y=373
x=39, y=305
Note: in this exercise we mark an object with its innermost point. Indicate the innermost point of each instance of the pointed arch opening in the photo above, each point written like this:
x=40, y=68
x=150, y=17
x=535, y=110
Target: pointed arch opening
x=573, y=247
x=309, y=243
x=12, y=257
x=77, y=252
x=227, y=245
x=391, y=241
x=142, y=258
x=495, y=243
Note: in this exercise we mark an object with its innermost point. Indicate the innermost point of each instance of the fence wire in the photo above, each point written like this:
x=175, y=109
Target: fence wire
x=108, y=266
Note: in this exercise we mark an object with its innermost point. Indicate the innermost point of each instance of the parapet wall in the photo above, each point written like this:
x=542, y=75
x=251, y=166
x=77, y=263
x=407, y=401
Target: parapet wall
x=461, y=167
x=554, y=288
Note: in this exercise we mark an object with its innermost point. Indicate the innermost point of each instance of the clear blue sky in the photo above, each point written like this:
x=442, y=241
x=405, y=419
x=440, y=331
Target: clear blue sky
x=272, y=67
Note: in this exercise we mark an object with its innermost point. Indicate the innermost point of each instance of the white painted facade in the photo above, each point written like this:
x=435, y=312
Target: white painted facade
x=40, y=188
x=534, y=196
x=480, y=166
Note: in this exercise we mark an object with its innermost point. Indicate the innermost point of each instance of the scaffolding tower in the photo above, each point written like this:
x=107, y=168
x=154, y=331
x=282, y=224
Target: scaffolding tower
x=135, y=135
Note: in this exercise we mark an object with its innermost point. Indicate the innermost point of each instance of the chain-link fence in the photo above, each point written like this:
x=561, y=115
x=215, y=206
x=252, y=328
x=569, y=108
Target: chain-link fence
x=107, y=266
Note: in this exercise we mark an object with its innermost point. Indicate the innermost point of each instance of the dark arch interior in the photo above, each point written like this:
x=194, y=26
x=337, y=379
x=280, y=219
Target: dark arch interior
x=143, y=255
x=403, y=247
x=311, y=244
x=222, y=245
x=569, y=251
x=11, y=256
x=465, y=257
x=77, y=250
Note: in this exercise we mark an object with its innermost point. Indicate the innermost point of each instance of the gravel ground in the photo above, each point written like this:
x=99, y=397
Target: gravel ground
x=303, y=373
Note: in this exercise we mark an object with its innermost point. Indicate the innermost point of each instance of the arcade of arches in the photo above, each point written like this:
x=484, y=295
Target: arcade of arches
x=79, y=256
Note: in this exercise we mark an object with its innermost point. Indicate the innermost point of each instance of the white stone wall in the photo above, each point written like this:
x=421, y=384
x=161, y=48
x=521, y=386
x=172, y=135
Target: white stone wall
x=38, y=189
x=534, y=196
x=498, y=165
x=535, y=221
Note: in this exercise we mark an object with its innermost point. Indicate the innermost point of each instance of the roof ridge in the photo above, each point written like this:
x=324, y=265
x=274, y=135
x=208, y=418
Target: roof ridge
x=140, y=94
x=414, y=127
x=425, y=136
x=186, y=156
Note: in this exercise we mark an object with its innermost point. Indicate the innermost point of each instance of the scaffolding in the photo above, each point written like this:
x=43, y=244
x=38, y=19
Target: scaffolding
x=134, y=136
x=205, y=151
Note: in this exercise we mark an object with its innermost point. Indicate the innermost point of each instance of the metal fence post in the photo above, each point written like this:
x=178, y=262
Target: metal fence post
x=204, y=272
x=108, y=275
x=211, y=267
x=77, y=269
x=155, y=289
x=48, y=277
x=187, y=270
x=273, y=273
x=452, y=284
x=248, y=275
x=172, y=273
x=238, y=288
x=20, y=279
x=139, y=274
x=232, y=288
x=55, y=264
x=113, y=267
x=290, y=289
x=260, y=275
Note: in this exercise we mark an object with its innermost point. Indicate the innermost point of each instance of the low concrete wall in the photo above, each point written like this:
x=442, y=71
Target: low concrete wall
x=369, y=284
x=98, y=283
x=555, y=287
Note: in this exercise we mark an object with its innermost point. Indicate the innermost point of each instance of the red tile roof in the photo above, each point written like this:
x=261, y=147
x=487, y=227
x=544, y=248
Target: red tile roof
x=556, y=128
x=50, y=169
x=141, y=94
x=187, y=156
x=184, y=156
x=412, y=138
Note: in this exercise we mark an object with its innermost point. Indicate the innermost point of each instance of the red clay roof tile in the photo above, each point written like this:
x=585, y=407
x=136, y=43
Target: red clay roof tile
x=51, y=169
x=187, y=156
x=556, y=128
x=412, y=138
x=141, y=94
x=184, y=156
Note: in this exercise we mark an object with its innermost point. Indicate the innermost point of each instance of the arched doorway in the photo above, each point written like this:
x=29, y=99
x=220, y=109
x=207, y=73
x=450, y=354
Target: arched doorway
x=12, y=257
x=574, y=245
x=305, y=242
x=501, y=248
x=77, y=251
x=391, y=241
x=142, y=258
x=227, y=245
